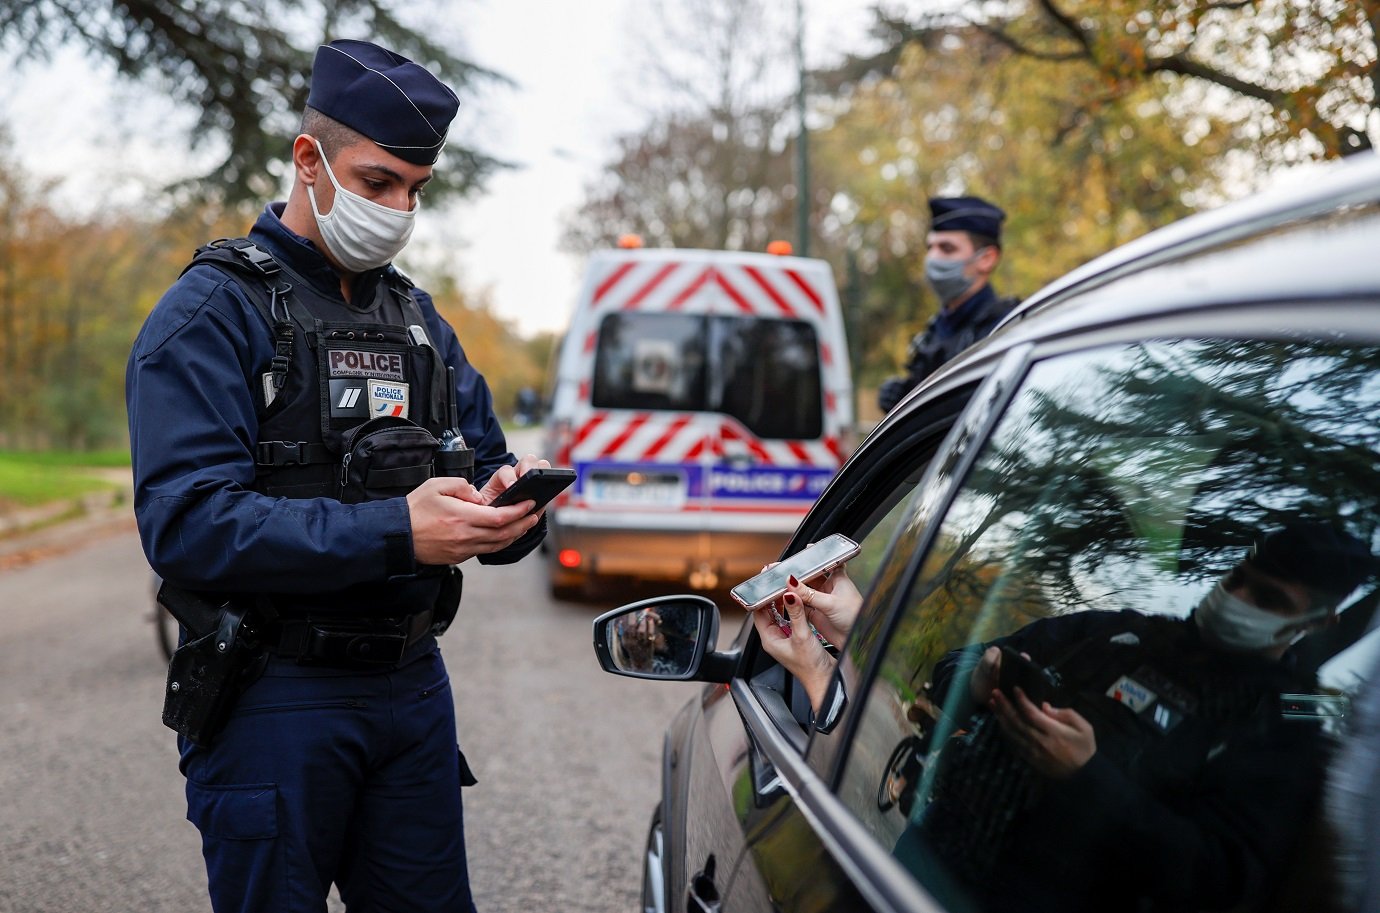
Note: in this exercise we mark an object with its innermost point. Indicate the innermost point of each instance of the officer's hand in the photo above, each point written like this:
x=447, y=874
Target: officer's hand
x=891, y=392
x=451, y=522
x=1056, y=741
x=507, y=475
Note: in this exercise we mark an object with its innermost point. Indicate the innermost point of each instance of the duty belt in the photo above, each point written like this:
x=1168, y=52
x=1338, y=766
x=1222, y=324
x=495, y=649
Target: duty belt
x=348, y=643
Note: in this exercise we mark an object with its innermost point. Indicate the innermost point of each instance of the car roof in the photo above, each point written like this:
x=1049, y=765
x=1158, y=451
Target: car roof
x=1328, y=203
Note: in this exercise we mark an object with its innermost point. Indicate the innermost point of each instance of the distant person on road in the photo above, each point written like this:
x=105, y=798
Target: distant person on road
x=305, y=428
x=526, y=406
x=962, y=250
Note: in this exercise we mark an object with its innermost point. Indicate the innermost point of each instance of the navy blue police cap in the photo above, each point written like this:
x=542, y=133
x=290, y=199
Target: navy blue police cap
x=388, y=98
x=966, y=214
x=1322, y=556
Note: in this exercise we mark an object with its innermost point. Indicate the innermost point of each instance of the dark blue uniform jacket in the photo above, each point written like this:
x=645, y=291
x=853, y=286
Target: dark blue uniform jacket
x=191, y=389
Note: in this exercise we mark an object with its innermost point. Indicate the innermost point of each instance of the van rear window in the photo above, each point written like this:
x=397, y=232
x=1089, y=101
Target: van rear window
x=762, y=371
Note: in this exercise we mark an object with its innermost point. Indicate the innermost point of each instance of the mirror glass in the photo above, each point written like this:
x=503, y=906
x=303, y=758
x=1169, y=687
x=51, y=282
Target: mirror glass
x=657, y=640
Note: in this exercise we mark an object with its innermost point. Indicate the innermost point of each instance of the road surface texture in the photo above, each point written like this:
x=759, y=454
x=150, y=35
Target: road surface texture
x=567, y=756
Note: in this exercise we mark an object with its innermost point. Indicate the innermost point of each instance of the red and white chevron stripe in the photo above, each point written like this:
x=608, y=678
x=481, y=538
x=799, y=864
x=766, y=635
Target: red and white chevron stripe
x=645, y=437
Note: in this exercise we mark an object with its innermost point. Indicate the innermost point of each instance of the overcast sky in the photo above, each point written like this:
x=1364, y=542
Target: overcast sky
x=580, y=82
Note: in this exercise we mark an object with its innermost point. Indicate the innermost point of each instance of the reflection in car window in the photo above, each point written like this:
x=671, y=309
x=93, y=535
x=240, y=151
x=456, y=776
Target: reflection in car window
x=762, y=371
x=1159, y=535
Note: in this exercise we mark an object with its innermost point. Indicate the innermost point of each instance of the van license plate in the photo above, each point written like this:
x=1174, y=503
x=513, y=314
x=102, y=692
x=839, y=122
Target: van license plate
x=650, y=489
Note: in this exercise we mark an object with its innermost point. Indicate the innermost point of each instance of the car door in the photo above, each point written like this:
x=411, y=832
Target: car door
x=1120, y=482
x=793, y=859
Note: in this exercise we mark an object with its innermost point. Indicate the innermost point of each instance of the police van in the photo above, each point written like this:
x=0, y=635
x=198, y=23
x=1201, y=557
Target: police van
x=704, y=399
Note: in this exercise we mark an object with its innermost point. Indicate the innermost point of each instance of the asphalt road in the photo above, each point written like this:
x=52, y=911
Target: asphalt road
x=91, y=801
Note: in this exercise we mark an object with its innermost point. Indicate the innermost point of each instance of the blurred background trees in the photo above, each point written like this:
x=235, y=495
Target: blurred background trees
x=74, y=289
x=1089, y=121
x=244, y=67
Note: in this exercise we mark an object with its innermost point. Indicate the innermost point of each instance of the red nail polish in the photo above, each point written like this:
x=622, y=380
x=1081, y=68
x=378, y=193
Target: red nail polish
x=792, y=581
x=790, y=599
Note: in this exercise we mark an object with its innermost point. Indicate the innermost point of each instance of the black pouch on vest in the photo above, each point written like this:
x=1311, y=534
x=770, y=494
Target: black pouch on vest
x=456, y=463
x=385, y=457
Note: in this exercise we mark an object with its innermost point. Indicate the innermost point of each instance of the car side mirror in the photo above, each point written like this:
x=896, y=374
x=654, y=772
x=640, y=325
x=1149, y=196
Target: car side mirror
x=671, y=638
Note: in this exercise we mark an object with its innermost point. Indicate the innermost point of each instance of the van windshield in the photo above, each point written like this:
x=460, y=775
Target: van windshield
x=764, y=372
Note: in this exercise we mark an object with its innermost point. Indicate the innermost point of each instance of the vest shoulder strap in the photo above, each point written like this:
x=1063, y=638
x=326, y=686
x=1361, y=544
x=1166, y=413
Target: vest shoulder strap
x=242, y=259
x=260, y=277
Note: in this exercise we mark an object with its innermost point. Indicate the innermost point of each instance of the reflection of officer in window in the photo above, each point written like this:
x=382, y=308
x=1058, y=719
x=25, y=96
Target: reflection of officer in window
x=1163, y=776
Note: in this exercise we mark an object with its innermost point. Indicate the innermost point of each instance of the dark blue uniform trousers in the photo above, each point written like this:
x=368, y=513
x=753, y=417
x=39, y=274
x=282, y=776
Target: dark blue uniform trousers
x=337, y=775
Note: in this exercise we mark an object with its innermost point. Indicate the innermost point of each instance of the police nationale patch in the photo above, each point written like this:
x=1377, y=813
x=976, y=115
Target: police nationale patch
x=387, y=398
x=1132, y=693
x=358, y=363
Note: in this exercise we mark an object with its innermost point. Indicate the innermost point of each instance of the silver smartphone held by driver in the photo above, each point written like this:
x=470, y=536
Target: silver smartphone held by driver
x=805, y=565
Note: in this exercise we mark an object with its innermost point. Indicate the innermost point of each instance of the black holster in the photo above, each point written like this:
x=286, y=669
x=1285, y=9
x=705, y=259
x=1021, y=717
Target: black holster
x=209, y=672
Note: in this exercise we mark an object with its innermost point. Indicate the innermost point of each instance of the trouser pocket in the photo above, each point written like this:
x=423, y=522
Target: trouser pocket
x=239, y=838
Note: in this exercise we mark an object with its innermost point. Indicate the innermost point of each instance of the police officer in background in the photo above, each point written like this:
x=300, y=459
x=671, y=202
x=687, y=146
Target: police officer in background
x=303, y=424
x=962, y=251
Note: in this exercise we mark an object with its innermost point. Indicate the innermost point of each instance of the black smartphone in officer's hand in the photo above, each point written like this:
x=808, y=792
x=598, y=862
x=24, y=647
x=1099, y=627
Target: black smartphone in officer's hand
x=540, y=485
x=1018, y=670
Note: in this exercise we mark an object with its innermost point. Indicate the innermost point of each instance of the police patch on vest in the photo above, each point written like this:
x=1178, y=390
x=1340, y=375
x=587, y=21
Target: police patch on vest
x=387, y=398
x=1132, y=693
x=348, y=399
x=357, y=363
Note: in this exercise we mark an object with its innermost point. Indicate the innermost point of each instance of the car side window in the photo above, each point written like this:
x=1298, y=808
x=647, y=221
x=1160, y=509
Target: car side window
x=1138, y=631
x=869, y=510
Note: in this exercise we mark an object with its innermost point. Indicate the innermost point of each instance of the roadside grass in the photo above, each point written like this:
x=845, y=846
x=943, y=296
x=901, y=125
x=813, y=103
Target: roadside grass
x=31, y=479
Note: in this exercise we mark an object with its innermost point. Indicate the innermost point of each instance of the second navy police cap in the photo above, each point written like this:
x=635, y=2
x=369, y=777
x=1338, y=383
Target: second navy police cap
x=396, y=103
x=966, y=214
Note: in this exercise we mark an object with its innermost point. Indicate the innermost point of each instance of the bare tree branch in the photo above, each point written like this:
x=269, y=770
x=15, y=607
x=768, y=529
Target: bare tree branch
x=1178, y=63
x=1002, y=37
x=1067, y=24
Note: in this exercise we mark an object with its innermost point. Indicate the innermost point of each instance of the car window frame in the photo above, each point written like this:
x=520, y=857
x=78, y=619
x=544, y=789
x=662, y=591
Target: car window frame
x=1289, y=320
x=927, y=428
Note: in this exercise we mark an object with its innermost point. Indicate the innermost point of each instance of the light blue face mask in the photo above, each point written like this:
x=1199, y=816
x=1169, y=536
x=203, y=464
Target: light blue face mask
x=946, y=277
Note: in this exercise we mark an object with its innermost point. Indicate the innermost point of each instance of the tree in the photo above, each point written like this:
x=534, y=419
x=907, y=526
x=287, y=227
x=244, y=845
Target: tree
x=963, y=113
x=677, y=184
x=1306, y=70
x=240, y=66
x=713, y=170
x=507, y=361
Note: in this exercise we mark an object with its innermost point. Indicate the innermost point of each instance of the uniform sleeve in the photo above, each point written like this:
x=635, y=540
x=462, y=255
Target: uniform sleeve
x=1216, y=849
x=478, y=423
x=190, y=389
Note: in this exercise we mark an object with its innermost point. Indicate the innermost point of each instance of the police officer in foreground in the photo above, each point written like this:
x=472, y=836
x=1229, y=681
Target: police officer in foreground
x=312, y=455
x=962, y=250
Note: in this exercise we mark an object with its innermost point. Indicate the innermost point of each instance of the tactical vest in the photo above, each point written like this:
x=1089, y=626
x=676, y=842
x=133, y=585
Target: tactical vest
x=357, y=404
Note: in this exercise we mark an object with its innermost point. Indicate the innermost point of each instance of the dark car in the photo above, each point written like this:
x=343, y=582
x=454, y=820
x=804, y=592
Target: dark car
x=1107, y=457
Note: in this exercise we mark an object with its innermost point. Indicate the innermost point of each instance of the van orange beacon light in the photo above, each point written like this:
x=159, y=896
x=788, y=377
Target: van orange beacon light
x=779, y=248
x=629, y=241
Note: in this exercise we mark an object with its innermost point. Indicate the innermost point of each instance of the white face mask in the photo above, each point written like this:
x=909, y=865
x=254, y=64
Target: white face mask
x=361, y=234
x=1231, y=622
